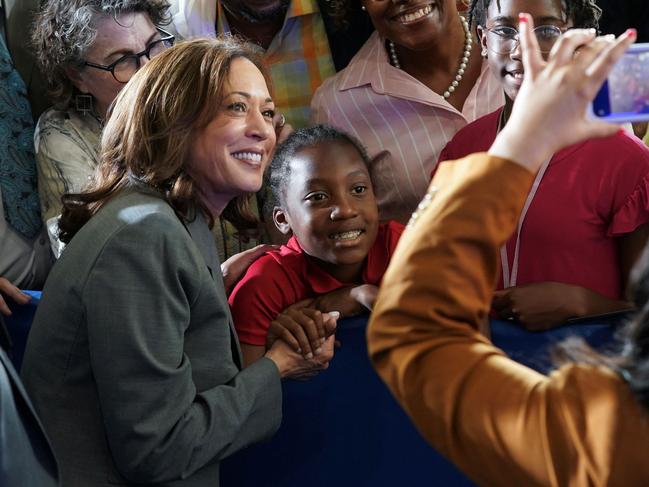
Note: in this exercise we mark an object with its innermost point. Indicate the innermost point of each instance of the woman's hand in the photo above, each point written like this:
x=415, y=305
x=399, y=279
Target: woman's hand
x=543, y=305
x=303, y=328
x=292, y=365
x=282, y=129
x=550, y=109
x=7, y=289
x=236, y=266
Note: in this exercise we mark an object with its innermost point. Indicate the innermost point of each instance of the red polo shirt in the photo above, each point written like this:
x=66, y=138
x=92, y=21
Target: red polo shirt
x=285, y=276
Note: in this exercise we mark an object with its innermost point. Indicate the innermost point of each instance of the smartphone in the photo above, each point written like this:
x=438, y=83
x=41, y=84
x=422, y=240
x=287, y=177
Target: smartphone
x=624, y=96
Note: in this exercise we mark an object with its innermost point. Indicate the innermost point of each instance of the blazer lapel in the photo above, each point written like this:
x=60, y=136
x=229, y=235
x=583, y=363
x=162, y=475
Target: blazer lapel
x=204, y=240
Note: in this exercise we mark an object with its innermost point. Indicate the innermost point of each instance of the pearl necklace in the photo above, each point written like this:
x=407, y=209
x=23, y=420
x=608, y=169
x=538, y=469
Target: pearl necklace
x=468, y=45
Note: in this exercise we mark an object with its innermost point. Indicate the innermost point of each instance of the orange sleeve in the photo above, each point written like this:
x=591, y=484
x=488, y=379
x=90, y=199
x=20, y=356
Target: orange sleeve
x=423, y=337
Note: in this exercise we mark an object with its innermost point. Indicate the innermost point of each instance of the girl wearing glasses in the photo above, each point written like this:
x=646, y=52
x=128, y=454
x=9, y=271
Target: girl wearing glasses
x=88, y=50
x=585, y=219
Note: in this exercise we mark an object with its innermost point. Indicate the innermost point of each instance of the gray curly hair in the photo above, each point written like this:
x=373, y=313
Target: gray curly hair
x=64, y=30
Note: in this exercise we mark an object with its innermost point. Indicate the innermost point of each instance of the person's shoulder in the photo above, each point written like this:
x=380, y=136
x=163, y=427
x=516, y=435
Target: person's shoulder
x=618, y=153
x=487, y=122
x=349, y=76
x=391, y=229
x=477, y=136
x=56, y=126
x=276, y=265
x=53, y=118
x=274, y=278
x=136, y=216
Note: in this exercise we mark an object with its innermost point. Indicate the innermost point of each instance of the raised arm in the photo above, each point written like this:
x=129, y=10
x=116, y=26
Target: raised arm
x=494, y=418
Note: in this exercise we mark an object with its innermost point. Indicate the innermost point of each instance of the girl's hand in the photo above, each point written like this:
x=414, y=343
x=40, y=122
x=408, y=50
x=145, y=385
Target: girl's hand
x=550, y=109
x=341, y=300
x=303, y=328
x=544, y=305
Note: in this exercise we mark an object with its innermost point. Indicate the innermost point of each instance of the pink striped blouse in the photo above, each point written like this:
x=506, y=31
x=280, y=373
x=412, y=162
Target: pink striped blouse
x=398, y=119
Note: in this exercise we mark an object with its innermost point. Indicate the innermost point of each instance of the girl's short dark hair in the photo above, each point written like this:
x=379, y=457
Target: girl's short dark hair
x=279, y=170
x=584, y=14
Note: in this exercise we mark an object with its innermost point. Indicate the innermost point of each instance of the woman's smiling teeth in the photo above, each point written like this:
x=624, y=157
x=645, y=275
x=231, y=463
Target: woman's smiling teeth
x=247, y=156
x=416, y=15
x=350, y=235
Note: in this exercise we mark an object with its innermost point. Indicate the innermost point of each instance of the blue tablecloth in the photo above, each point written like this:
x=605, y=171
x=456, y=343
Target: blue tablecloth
x=18, y=325
x=343, y=427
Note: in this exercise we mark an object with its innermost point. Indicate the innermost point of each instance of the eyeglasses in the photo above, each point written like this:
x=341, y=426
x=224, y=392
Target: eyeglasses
x=126, y=66
x=504, y=39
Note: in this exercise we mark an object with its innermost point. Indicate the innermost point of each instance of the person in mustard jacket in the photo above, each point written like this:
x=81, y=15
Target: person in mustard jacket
x=500, y=422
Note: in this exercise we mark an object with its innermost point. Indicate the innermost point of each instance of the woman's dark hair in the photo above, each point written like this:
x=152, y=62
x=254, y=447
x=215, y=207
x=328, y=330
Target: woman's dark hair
x=584, y=14
x=64, y=30
x=153, y=125
x=279, y=170
x=632, y=363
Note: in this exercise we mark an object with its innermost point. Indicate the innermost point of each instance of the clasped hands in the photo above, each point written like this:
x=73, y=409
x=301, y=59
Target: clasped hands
x=309, y=326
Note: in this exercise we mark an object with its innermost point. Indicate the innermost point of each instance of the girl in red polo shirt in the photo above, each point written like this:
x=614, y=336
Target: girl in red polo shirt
x=321, y=193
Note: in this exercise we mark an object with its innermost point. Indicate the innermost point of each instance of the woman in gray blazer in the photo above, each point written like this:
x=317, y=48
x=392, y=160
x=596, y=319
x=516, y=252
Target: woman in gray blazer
x=132, y=361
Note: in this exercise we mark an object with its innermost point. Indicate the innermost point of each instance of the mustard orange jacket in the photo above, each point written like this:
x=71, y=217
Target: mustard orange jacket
x=500, y=422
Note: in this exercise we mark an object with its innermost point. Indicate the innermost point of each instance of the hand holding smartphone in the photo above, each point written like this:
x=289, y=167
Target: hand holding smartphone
x=624, y=96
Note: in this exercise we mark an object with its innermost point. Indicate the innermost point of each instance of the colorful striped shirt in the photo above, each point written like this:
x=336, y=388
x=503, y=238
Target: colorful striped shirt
x=299, y=56
x=402, y=122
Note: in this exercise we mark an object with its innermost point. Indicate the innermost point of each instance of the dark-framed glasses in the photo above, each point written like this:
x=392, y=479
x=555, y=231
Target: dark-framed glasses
x=504, y=39
x=126, y=66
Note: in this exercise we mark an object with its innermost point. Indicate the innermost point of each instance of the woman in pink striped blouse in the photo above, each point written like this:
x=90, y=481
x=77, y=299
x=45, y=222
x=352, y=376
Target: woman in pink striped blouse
x=417, y=81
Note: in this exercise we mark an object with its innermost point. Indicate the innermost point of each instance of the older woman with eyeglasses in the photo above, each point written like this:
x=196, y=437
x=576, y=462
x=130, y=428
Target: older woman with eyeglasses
x=88, y=50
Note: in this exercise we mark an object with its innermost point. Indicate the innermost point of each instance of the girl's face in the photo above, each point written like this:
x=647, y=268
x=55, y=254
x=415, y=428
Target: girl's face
x=413, y=24
x=506, y=63
x=330, y=207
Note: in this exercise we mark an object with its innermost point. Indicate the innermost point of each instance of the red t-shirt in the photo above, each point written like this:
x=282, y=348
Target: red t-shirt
x=285, y=276
x=591, y=193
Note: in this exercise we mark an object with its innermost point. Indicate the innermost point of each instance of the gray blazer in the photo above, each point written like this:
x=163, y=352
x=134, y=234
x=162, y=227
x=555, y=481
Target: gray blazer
x=132, y=361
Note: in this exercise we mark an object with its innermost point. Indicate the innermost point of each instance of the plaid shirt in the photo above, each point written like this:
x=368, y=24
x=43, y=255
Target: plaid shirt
x=299, y=58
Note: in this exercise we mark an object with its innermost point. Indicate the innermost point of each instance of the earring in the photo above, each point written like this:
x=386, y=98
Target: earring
x=83, y=103
x=363, y=8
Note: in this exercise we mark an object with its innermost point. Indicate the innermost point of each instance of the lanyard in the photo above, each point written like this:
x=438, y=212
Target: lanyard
x=509, y=278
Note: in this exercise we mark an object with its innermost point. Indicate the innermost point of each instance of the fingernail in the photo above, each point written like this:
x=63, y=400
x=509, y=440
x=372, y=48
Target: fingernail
x=299, y=350
x=308, y=355
x=632, y=33
x=318, y=350
x=322, y=340
x=334, y=314
x=523, y=18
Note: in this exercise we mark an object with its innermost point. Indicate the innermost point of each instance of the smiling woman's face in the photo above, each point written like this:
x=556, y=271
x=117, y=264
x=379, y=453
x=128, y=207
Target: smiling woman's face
x=413, y=24
x=229, y=155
